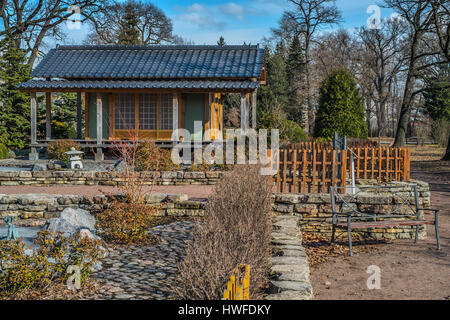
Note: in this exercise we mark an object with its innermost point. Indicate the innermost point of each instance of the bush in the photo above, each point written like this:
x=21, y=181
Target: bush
x=126, y=223
x=22, y=270
x=341, y=107
x=149, y=157
x=290, y=131
x=56, y=149
x=236, y=230
x=4, y=153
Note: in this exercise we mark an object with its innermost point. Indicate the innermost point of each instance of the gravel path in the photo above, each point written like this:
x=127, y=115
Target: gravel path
x=146, y=272
x=408, y=270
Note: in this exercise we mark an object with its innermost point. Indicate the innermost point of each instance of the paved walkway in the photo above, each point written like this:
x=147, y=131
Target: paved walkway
x=146, y=272
x=193, y=191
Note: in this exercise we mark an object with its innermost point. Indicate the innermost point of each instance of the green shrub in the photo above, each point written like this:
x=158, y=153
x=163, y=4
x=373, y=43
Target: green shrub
x=125, y=222
x=56, y=149
x=323, y=140
x=4, y=153
x=46, y=266
x=290, y=131
x=341, y=107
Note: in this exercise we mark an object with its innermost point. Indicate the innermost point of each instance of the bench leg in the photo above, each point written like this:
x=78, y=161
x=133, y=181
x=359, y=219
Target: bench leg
x=333, y=233
x=417, y=234
x=349, y=233
x=436, y=228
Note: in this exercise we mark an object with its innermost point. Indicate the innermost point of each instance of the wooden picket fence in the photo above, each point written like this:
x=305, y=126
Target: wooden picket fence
x=382, y=164
x=238, y=288
x=351, y=143
x=311, y=171
x=315, y=170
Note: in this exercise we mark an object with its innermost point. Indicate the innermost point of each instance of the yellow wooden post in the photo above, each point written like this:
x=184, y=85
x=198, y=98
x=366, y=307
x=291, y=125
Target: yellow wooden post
x=238, y=288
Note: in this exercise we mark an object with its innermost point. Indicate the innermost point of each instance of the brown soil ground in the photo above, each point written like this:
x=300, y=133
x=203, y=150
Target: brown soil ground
x=193, y=191
x=408, y=270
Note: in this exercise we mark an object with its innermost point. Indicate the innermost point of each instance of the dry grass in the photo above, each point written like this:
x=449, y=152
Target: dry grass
x=427, y=152
x=236, y=230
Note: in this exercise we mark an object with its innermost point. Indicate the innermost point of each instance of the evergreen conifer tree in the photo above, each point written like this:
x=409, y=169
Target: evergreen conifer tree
x=295, y=69
x=129, y=33
x=341, y=107
x=15, y=109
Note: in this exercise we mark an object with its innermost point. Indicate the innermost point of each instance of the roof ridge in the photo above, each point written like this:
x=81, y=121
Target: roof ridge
x=154, y=46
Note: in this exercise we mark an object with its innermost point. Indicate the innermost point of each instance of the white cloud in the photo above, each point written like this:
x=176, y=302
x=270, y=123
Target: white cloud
x=199, y=15
x=233, y=9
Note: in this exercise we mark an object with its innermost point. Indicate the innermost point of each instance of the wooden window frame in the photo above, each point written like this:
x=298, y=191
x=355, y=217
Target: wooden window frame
x=157, y=134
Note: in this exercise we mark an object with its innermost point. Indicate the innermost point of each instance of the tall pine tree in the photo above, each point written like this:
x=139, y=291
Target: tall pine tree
x=15, y=112
x=129, y=33
x=341, y=107
x=437, y=99
x=273, y=97
x=295, y=72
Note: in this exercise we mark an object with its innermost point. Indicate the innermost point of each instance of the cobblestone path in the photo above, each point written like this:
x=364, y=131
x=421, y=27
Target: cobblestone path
x=146, y=272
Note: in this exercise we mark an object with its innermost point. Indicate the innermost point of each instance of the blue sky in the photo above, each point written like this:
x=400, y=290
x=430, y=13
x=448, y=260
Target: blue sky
x=237, y=21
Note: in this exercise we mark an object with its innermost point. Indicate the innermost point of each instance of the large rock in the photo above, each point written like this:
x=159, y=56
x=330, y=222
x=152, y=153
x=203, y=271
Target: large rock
x=39, y=167
x=71, y=221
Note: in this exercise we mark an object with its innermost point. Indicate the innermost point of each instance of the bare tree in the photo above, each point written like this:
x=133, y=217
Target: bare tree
x=307, y=18
x=154, y=26
x=31, y=21
x=383, y=59
x=420, y=18
x=441, y=13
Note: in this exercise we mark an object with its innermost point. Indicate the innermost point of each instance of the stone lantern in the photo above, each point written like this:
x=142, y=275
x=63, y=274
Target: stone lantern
x=75, y=159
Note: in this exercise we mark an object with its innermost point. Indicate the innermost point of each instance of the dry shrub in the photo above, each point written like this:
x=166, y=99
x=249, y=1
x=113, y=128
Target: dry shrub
x=24, y=270
x=133, y=180
x=56, y=149
x=126, y=223
x=152, y=158
x=236, y=230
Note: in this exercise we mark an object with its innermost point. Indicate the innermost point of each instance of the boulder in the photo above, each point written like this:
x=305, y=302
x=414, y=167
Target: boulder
x=39, y=167
x=55, y=165
x=11, y=154
x=71, y=221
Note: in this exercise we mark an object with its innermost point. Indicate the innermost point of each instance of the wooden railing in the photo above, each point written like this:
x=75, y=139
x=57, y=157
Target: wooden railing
x=351, y=143
x=238, y=288
x=382, y=164
x=315, y=170
x=311, y=171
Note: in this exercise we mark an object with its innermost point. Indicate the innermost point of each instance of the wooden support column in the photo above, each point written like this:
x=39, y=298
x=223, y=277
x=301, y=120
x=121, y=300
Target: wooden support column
x=175, y=112
x=244, y=112
x=254, y=109
x=99, y=153
x=79, y=116
x=48, y=115
x=33, y=154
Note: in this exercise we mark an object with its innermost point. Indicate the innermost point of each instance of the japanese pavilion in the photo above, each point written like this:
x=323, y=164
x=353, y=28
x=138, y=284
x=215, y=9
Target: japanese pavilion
x=146, y=91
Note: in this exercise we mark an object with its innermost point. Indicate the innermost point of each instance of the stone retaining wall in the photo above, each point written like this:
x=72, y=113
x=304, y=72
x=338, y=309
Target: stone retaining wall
x=105, y=178
x=289, y=278
x=315, y=215
x=44, y=206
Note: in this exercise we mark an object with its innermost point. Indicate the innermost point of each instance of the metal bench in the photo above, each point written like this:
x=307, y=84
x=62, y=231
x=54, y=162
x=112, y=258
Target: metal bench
x=343, y=205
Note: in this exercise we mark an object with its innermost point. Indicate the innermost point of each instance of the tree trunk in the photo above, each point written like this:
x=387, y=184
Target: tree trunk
x=447, y=153
x=403, y=121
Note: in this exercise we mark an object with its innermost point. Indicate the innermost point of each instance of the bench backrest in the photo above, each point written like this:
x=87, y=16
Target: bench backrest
x=341, y=203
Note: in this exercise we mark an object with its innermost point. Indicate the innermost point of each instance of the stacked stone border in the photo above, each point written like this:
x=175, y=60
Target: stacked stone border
x=105, y=178
x=45, y=206
x=290, y=276
x=314, y=210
